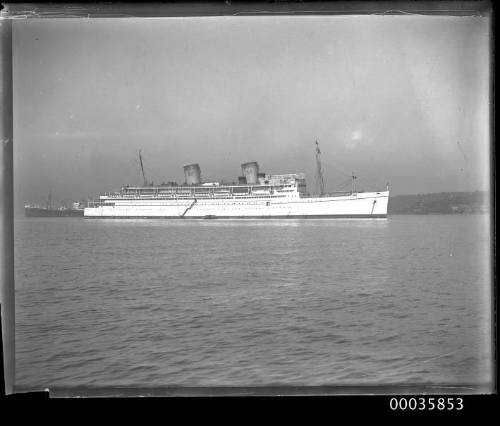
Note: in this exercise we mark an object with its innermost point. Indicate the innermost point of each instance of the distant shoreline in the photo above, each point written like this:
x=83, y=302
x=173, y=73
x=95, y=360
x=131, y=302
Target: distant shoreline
x=440, y=203
x=446, y=203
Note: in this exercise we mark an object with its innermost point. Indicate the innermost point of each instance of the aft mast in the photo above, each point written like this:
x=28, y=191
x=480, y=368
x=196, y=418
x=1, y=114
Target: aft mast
x=142, y=169
x=319, y=176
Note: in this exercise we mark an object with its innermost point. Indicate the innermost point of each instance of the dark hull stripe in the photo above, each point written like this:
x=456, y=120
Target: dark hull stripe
x=34, y=212
x=330, y=216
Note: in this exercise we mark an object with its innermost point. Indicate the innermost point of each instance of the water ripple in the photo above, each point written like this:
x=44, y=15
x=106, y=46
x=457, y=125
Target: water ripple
x=213, y=303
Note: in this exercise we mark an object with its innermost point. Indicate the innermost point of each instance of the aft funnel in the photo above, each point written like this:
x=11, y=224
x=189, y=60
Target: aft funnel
x=251, y=172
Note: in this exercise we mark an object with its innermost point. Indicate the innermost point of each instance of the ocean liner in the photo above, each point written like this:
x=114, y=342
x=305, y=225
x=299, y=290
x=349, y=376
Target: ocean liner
x=256, y=195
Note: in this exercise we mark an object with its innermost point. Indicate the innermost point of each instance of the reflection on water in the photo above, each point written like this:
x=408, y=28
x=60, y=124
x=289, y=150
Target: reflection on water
x=252, y=302
x=239, y=222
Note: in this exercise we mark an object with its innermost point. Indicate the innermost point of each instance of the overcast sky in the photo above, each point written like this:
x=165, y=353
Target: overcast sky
x=398, y=99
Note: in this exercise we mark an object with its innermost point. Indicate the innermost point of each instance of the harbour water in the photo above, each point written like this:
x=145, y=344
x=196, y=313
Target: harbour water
x=146, y=303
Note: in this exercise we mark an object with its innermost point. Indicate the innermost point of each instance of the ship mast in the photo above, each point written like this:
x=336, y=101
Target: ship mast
x=321, y=180
x=49, y=200
x=142, y=169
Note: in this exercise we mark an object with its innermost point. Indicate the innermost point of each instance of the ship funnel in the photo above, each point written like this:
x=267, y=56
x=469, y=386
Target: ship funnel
x=251, y=172
x=192, y=172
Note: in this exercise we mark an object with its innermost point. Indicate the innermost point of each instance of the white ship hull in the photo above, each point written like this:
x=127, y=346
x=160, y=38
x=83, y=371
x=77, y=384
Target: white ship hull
x=357, y=205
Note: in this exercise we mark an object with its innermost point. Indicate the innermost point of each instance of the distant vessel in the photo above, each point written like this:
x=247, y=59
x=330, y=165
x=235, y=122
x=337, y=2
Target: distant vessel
x=31, y=210
x=256, y=195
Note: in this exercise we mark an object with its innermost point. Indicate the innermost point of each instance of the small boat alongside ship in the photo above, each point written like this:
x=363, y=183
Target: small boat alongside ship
x=34, y=210
x=256, y=195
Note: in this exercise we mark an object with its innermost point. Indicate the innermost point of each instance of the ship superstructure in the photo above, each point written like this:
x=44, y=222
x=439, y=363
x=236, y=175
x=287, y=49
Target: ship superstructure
x=256, y=195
